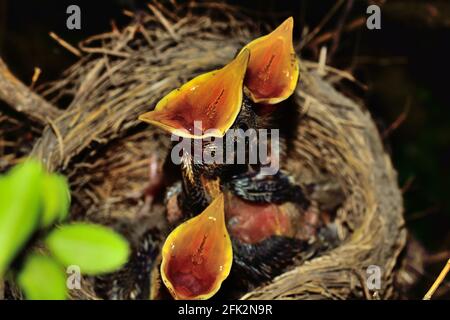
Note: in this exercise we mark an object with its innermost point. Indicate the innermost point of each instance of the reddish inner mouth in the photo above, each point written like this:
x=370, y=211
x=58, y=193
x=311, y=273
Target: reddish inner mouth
x=189, y=279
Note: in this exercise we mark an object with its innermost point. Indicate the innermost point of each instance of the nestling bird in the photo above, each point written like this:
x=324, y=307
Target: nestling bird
x=230, y=210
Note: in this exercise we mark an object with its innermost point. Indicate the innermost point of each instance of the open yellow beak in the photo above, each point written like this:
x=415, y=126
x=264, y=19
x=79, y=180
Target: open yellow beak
x=273, y=70
x=197, y=255
x=213, y=98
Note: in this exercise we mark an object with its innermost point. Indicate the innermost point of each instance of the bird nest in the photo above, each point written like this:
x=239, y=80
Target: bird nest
x=111, y=158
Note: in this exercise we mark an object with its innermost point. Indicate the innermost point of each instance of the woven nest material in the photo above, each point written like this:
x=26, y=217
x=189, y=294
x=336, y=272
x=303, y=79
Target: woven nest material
x=99, y=143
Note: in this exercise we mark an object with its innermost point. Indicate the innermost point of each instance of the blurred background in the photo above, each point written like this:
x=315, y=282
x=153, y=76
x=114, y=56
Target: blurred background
x=403, y=69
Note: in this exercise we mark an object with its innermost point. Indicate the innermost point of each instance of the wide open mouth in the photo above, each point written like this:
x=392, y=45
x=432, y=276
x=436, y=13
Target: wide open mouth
x=206, y=106
x=197, y=255
x=272, y=71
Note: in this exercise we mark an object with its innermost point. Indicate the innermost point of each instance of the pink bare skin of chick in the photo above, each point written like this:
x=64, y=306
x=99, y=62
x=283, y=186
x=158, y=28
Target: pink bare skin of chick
x=253, y=222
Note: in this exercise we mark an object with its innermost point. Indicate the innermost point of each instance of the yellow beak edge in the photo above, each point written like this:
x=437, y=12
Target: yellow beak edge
x=197, y=255
x=273, y=69
x=213, y=98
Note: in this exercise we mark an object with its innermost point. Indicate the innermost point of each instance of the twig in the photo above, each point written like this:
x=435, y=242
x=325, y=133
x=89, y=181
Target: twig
x=65, y=44
x=128, y=13
x=34, y=79
x=329, y=35
x=422, y=214
x=123, y=38
x=438, y=281
x=341, y=73
x=427, y=276
x=362, y=281
x=22, y=99
x=107, y=52
x=322, y=62
x=437, y=257
x=407, y=184
x=400, y=119
x=322, y=23
x=164, y=22
x=339, y=27
x=59, y=137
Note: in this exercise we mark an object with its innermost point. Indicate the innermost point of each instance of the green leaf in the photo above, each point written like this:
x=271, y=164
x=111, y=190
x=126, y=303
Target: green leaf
x=42, y=278
x=56, y=199
x=95, y=249
x=19, y=209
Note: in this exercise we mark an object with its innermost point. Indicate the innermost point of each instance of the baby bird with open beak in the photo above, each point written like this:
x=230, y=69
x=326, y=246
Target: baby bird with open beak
x=220, y=198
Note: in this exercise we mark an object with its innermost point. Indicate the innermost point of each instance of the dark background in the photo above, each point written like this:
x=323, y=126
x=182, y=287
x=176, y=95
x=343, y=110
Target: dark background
x=405, y=67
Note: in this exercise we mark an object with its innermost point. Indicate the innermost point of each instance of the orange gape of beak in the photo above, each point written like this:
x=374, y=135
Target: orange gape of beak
x=214, y=98
x=272, y=71
x=197, y=255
